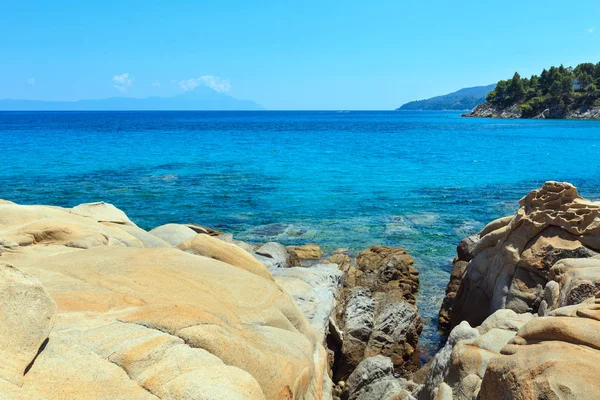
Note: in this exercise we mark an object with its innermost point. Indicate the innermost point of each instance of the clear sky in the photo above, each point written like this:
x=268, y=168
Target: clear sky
x=286, y=54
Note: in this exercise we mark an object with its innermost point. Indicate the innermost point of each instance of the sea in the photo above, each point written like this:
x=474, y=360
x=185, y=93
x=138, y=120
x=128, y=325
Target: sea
x=417, y=180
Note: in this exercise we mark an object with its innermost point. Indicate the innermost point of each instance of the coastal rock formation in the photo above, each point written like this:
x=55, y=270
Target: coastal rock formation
x=309, y=251
x=132, y=322
x=378, y=315
x=102, y=212
x=373, y=379
x=315, y=291
x=489, y=110
x=457, y=370
x=209, y=246
x=512, y=257
x=465, y=251
x=174, y=234
x=513, y=111
x=27, y=314
x=544, y=259
x=276, y=255
x=552, y=357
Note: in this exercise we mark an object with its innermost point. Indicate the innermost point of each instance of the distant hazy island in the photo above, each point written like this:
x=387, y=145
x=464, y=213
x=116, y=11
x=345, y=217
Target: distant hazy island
x=464, y=99
x=561, y=92
x=201, y=98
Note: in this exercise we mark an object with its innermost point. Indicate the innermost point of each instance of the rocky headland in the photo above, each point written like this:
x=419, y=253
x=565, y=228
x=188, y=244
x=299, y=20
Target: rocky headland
x=94, y=307
x=558, y=93
x=516, y=110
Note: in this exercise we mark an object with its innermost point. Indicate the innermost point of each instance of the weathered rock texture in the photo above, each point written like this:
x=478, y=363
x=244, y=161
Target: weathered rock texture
x=378, y=313
x=544, y=260
x=513, y=257
x=552, y=357
x=373, y=379
x=457, y=370
x=110, y=318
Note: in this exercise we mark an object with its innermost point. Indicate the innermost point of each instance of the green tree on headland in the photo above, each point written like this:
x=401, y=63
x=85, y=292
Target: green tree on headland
x=554, y=87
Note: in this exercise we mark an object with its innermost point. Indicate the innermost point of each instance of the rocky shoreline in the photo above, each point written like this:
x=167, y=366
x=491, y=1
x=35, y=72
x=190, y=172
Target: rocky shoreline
x=95, y=307
x=514, y=111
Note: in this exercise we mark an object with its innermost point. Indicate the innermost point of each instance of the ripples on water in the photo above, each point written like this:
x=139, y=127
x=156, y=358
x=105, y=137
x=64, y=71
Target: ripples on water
x=421, y=181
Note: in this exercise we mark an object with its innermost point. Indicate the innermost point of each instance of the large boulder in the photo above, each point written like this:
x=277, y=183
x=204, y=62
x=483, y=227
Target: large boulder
x=315, y=291
x=174, y=234
x=458, y=368
x=275, y=255
x=135, y=307
x=102, y=212
x=373, y=379
x=513, y=256
x=552, y=357
x=27, y=314
x=209, y=246
x=378, y=313
x=23, y=226
x=145, y=323
x=306, y=254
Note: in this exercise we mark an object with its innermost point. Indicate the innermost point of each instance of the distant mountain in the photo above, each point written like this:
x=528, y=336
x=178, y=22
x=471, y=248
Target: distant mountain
x=464, y=99
x=201, y=98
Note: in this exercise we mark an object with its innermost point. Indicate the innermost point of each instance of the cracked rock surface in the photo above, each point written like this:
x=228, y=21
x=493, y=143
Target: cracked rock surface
x=105, y=314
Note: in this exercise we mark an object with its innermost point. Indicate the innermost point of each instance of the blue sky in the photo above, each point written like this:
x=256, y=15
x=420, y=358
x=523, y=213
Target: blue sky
x=284, y=54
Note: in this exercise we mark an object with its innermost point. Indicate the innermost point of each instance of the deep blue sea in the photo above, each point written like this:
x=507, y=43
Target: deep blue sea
x=418, y=180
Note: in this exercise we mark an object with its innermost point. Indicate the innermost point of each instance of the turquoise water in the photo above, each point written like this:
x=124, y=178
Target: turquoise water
x=418, y=180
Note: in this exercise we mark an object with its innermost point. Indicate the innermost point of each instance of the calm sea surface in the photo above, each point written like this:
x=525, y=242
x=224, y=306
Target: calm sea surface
x=421, y=181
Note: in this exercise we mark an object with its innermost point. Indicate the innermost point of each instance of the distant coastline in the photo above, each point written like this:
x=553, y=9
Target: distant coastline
x=199, y=99
x=461, y=100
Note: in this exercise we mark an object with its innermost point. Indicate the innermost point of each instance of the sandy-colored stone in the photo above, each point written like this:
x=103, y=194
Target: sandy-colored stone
x=174, y=234
x=102, y=212
x=208, y=246
x=306, y=252
x=27, y=315
x=458, y=369
x=243, y=319
x=147, y=323
x=314, y=289
x=553, y=357
x=512, y=260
